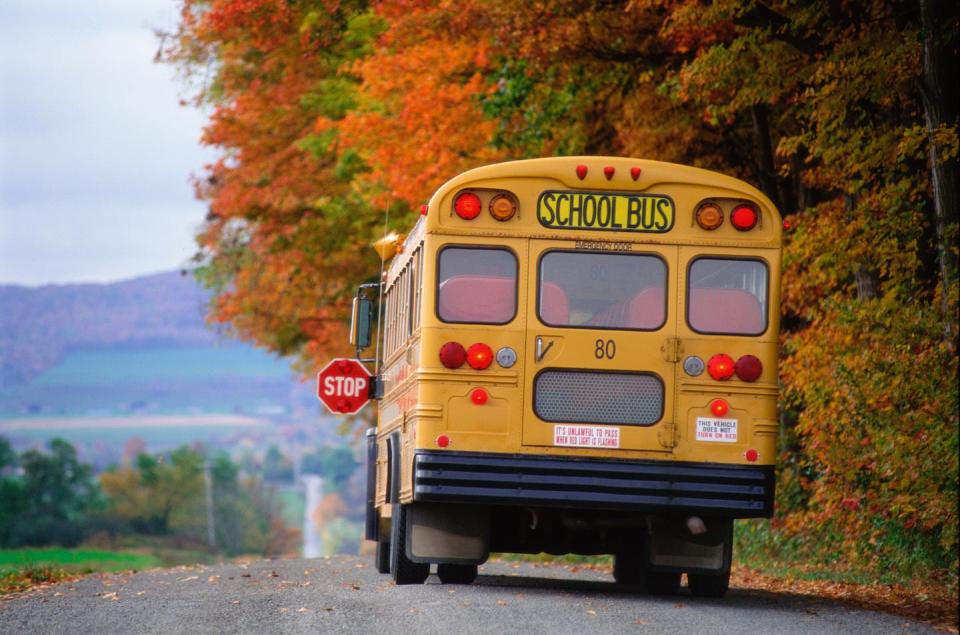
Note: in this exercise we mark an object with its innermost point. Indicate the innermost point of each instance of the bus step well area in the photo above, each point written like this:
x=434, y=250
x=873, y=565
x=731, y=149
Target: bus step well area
x=638, y=486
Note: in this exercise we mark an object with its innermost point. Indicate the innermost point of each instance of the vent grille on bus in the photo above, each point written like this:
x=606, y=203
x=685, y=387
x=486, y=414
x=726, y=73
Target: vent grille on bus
x=567, y=396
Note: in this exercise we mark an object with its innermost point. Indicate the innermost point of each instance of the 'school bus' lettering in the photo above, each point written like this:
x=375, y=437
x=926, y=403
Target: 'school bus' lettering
x=606, y=211
x=542, y=389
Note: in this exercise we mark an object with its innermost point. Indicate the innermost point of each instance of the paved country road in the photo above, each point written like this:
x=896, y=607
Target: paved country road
x=345, y=594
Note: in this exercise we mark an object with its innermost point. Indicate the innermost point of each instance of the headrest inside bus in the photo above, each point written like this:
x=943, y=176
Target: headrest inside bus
x=725, y=311
x=482, y=299
x=645, y=310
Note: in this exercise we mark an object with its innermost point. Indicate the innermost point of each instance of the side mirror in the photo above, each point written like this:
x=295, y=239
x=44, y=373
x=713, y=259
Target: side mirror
x=361, y=322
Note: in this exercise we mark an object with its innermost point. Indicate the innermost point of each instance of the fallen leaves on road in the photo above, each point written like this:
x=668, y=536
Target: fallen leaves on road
x=189, y=578
x=935, y=604
x=112, y=595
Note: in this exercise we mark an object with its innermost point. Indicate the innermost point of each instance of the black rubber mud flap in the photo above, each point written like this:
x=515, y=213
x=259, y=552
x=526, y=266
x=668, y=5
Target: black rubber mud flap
x=403, y=570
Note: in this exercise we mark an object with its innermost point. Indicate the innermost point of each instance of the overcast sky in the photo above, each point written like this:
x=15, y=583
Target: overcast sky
x=95, y=152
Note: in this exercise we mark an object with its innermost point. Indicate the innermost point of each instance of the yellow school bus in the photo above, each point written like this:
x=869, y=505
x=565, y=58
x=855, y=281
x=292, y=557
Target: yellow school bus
x=576, y=355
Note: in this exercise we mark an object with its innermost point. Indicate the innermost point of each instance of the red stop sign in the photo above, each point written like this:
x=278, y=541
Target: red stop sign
x=343, y=385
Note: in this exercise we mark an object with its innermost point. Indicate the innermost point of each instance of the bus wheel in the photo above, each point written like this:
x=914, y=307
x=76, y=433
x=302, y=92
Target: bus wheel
x=628, y=568
x=709, y=586
x=457, y=573
x=383, y=556
x=657, y=583
x=403, y=570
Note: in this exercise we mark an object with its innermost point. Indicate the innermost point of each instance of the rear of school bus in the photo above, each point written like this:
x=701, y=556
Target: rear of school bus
x=594, y=371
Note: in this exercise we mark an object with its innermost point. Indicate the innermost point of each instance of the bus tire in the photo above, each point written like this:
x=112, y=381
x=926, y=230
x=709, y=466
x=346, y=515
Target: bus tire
x=659, y=583
x=708, y=586
x=402, y=569
x=382, y=557
x=628, y=568
x=457, y=573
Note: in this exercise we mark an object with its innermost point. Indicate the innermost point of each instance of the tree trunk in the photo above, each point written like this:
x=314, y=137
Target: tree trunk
x=766, y=172
x=938, y=89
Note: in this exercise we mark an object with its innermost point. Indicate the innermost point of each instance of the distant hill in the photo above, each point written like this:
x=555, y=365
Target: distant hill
x=40, y=325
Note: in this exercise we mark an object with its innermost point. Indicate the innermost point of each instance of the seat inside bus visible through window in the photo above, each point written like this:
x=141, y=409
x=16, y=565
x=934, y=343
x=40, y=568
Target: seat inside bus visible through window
x=727, y=296
x=602, y=290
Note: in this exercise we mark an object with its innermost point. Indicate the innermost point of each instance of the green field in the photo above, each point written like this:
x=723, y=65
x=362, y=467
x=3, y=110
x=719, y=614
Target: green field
x=76, y=560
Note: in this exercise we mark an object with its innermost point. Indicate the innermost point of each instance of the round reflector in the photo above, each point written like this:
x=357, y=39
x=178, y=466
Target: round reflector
x=479, y=356
x=503, y=207
x=719, y=407
x=751, y=455
x=693, y=366
x=452, y=355
x=443, y=441
x=748, y=368
x=479, y=396
x=720, y=367
x=744, y=217
x=709, y=216
x=467, y=205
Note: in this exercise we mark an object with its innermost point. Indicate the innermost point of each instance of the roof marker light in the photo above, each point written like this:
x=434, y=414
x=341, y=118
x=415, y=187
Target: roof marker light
x=423, y=209
x=582, y=171
x=635, y=173
x=608, y=172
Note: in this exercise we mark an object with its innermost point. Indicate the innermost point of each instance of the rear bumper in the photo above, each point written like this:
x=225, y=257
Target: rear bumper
x=585, y=483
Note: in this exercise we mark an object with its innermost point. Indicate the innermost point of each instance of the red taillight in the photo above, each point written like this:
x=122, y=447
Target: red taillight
x=582, y=172
x=720, y=366
x=744, y=217
x=452, y=355
x=751, y=455
x=443, y=441
x=479, y=356
x=467, y=205
x=479, y=396
x=719, y=407
x=748, y=368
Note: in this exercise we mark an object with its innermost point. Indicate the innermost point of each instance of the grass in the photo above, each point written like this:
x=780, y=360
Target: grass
x=21, y=569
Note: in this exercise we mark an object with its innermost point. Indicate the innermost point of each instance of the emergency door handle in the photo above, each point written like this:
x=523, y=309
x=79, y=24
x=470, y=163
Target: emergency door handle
x=540, y=350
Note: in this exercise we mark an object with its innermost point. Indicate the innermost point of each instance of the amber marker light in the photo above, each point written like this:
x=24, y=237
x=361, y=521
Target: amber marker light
x=719, y=407
x=503, y=207
x=479, y=396
x=479, y=356
x=709, y=216
x=720, y=367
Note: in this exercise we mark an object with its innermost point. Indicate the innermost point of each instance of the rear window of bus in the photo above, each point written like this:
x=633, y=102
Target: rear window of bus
x=602, y=291
x=727, y=296
x=477, y=285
